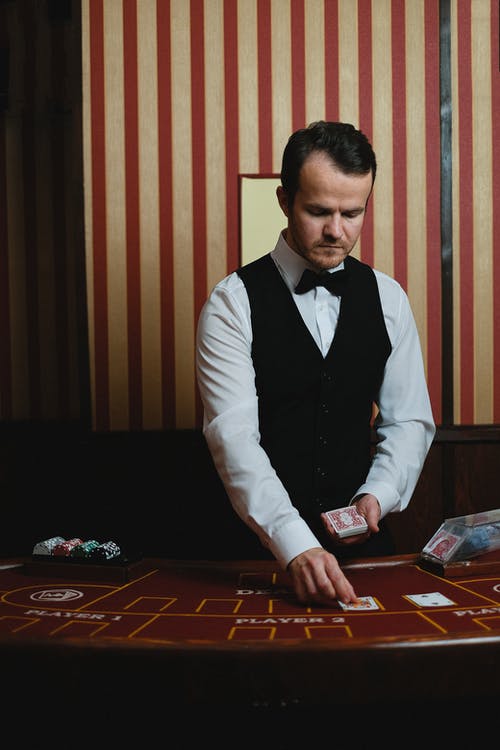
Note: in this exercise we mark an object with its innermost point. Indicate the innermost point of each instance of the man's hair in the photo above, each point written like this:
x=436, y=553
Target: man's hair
x=349, y=150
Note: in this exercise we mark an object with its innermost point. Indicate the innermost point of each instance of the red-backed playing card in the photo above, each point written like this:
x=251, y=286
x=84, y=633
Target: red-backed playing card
x=347, y=521
x=442, y=545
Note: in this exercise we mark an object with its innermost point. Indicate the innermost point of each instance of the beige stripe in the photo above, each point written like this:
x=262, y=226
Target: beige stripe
x=281, y=79
x=349, y=72
x=182, y=193
x=247, y=87
x=215, y=142
x=383, y=198
x=348, y=62
x=455, y=130
x=149, y=215
x=315, y=60
x=87, y=194
x=482, y=188
x=115, y=204
x=416, y=161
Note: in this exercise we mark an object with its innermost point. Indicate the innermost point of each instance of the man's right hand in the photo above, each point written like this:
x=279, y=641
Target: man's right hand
x=318, y=579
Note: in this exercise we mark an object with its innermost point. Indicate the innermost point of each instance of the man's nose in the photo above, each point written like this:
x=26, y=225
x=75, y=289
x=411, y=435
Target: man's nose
x=333, y=227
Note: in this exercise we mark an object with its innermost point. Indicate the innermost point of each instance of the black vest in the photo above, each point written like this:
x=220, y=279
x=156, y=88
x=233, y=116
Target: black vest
x=315, y=412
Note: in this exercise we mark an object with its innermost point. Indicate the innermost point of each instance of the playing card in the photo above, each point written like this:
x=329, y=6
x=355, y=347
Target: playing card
x=433, y=599
x=347, y=521
x=442, y=545
x=363, y=603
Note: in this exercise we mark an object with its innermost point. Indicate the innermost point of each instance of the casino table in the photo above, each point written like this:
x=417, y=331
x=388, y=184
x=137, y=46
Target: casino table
x=177, y=635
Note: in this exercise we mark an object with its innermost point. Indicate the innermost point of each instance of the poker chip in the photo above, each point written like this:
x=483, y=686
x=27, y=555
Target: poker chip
x=47, y=546
x=75, y=550
x=84, y=549
x=64, y=548
x=106, y=551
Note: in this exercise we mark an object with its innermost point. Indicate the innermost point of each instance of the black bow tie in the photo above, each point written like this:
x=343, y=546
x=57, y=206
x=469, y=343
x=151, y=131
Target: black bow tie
x=334, y=282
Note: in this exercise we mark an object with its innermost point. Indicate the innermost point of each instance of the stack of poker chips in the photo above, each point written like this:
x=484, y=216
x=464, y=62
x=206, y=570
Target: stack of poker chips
x=91, y=549
x=106, y=551
x=84, y=549
x=47, y=546
x=63, y=549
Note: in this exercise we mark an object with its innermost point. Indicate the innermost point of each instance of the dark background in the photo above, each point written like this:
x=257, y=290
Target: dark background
x=157, y=493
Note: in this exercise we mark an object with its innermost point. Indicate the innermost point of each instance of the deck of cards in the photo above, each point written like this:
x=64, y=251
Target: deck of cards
x=464, y=537
x=347, y=521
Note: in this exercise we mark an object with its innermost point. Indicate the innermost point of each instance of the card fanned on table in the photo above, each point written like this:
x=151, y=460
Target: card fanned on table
x=347, y=521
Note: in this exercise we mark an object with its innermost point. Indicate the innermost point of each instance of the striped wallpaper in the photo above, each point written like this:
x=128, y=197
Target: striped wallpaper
x=476, y=211
x=180, y=98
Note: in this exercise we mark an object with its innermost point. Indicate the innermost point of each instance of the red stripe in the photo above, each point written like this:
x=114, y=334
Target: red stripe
x=132, y=213
x=466, y=258
x=232, y=131
x=31, y=247
x=265, y=93
x=59, y=228
x=5, y=339
x=399, y=169
x=298, y=64
x=495, y=160
x=433, y=210
x=165, y=209
x=99, y=249
x=331, y=59
x=198, y=125
x=365, y=62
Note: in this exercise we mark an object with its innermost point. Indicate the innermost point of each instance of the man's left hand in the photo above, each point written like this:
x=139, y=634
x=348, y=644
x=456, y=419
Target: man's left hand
x=367, y=506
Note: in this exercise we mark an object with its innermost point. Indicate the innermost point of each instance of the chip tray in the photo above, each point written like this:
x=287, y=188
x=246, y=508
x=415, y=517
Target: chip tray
x=121, y=568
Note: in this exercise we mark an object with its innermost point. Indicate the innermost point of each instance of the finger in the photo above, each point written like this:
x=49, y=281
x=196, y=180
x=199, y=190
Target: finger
x=303, y=583
x=312, y=586
x=323, y=588
x=299, y=587
x=344, y=590
x=328, y=525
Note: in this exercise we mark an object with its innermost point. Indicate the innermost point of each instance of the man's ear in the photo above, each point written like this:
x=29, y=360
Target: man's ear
x=282, y=199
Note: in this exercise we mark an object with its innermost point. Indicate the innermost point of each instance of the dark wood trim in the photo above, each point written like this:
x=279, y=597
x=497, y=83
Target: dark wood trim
x=468, y=434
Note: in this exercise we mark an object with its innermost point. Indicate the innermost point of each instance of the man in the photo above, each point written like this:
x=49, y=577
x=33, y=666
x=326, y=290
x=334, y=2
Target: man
x=291, y=375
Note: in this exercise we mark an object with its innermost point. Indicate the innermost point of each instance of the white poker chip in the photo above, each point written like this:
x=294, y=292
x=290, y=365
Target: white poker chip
x=47, y=546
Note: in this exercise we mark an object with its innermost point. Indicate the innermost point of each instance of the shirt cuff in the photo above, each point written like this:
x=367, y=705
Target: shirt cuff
x=387, y=497
x=291, y=540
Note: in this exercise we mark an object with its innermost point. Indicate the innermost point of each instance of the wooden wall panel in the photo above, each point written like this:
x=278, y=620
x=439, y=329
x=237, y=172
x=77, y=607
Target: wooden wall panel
x=43, y=374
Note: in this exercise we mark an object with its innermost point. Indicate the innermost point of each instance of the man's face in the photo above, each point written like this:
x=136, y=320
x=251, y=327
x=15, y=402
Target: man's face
x=327, y=215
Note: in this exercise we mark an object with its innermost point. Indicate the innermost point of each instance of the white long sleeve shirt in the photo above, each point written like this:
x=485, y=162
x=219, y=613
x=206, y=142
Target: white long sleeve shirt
x=226, y=379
